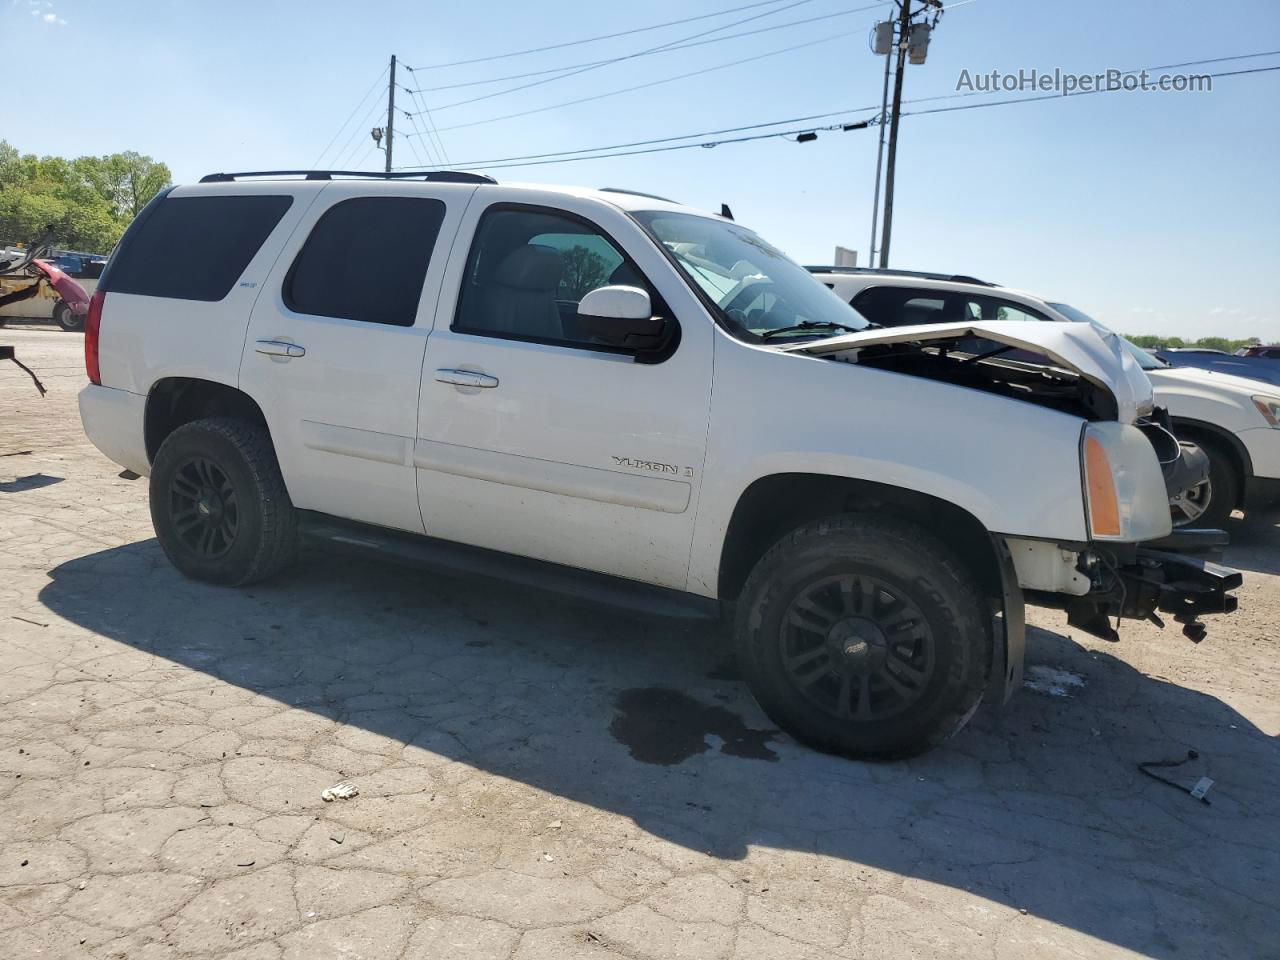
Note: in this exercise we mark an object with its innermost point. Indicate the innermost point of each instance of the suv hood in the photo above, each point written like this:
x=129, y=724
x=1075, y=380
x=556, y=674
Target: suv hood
x=1211, y=382
x=1078, y=348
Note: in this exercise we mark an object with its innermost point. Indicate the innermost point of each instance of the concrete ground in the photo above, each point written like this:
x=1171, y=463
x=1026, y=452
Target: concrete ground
x=541, y=781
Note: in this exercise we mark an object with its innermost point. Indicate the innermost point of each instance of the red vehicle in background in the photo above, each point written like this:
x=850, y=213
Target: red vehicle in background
x=1270, y=351
x=27, y=275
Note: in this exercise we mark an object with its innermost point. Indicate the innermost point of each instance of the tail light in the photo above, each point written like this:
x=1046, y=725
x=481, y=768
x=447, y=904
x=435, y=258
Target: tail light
x=92, y=326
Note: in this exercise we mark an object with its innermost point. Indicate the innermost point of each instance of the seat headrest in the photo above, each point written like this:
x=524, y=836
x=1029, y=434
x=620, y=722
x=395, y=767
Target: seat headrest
x=625, y=275
x=531, y=267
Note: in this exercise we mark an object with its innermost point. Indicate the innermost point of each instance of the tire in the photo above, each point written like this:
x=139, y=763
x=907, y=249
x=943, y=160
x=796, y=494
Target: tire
x=922, y=599
x=1209, y=505
x=67, y=320
x=219, y=504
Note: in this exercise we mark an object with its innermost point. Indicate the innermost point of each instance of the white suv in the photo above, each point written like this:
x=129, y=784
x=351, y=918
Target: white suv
x=632, y=401
x=1234, y=420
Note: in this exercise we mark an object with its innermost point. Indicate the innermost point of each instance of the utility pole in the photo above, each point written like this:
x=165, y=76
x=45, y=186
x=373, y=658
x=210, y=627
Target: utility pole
x=875, y=200
x=913, y=46
x=904, y=29
x=391, y=110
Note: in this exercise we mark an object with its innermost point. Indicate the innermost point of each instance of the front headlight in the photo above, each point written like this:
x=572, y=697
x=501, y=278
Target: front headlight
x=1269, y=407
x=1124, y=492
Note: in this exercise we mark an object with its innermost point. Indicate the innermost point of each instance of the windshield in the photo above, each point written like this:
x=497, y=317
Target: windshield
x=1145, y=360
x=756, y=290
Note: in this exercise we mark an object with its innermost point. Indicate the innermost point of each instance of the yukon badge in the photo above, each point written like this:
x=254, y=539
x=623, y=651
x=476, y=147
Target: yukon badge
x=654, y=466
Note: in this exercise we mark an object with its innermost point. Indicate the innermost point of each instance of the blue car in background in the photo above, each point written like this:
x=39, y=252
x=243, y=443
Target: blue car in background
x=1262, y=368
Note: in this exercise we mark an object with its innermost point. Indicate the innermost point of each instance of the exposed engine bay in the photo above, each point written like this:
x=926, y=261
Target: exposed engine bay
x=1004, y=370
x=967, y=358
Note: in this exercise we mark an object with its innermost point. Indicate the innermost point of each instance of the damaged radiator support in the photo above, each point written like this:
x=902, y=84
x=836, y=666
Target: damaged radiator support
x=1151, y=580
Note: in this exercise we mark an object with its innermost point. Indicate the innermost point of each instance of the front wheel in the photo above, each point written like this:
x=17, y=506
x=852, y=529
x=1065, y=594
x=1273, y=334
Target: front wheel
x=219, y=505
x=864, y=637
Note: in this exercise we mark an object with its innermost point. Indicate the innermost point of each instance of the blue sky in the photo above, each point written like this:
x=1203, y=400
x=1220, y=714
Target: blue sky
x=1155, y=212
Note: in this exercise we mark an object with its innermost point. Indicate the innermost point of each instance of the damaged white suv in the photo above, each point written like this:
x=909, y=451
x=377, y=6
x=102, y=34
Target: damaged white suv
x=625, y=399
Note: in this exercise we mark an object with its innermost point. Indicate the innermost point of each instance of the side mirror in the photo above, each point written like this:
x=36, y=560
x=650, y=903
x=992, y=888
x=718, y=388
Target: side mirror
x=622, y=317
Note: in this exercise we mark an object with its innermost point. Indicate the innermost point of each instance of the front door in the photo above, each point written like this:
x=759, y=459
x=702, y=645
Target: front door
x=335, y=345
x=537, y=440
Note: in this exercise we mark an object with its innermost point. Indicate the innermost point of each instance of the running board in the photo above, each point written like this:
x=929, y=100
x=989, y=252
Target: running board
x=457, y=559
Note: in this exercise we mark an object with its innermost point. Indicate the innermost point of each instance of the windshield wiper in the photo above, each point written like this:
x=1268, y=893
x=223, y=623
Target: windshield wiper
x=813, y=325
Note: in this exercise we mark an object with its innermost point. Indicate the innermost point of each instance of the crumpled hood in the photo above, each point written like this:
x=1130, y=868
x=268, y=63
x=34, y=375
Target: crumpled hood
x=1099, y=357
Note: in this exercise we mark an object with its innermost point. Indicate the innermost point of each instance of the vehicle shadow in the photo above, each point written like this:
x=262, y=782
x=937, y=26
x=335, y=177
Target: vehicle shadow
x=1037, y=808
x=1254, y=540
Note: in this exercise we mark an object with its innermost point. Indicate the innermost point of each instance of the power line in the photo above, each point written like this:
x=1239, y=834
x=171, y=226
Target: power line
x=1077, y=93
x=432, y=132
x=651, y=83
x=1198, y=63
x=680, y=45
x=426, y=144
x=573, y=72
x=351, y=148
x=573, y=156
x=707, y=144
x=472, y=164
x=377, y=83
x=603, y=36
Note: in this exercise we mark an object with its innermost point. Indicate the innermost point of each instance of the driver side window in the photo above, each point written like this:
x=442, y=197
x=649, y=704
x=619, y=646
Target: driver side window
x=530, y=268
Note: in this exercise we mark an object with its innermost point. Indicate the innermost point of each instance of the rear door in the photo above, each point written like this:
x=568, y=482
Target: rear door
x=335, y=345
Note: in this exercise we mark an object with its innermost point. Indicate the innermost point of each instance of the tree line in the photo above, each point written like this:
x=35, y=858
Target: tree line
x=87, y=200
x=1225, y=344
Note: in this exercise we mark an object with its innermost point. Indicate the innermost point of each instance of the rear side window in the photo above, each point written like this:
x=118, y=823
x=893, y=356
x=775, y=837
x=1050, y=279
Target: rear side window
x=195, y=248
x=366, y=259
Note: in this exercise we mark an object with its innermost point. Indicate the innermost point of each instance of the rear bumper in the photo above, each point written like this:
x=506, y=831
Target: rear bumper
x=114, y=423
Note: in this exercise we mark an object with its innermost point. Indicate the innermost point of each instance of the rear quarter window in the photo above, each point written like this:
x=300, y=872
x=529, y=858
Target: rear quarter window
x=195, y=248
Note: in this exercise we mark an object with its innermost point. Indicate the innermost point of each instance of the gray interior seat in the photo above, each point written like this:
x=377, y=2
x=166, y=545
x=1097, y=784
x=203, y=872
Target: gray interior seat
x=625, y=275
x=520, y=298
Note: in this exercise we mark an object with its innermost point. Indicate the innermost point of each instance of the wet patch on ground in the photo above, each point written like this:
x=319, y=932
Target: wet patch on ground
x=666, y=727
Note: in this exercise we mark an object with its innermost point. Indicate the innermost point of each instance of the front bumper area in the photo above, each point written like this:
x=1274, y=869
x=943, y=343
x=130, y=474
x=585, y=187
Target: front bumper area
x=1173, y=576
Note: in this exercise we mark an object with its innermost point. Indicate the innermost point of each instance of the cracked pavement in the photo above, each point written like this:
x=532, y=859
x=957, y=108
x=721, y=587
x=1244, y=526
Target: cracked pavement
x=164, y=745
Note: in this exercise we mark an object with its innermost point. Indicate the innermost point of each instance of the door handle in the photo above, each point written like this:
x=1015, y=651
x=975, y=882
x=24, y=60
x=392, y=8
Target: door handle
x=466, y=378
x=279, y=348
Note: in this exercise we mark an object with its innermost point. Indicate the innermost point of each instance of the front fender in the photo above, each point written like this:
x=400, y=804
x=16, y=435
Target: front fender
x=1014, y=466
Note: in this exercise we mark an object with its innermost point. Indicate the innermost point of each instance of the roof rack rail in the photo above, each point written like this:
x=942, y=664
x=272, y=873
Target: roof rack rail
x=637, y=193
x=438, y=176
x=890, y=272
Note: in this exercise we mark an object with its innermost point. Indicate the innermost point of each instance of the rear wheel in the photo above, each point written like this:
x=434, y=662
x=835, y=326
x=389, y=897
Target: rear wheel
x=864, y=637
x=219, y=504
x=1209, y=504
x=66, y=319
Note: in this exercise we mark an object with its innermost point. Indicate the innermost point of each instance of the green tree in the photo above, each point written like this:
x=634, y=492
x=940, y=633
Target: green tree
x=88, y=201
x=584, y=270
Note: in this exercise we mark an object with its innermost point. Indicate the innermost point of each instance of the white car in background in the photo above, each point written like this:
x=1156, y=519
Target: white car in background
x=1236, y=421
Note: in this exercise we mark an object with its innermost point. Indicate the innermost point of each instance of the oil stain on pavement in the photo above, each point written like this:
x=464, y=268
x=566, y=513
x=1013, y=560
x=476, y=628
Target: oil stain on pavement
x=666, y=727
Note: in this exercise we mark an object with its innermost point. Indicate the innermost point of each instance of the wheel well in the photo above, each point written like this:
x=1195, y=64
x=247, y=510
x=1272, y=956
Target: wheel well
x=773, y=506
x=178, y=400
x=1207, y=434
